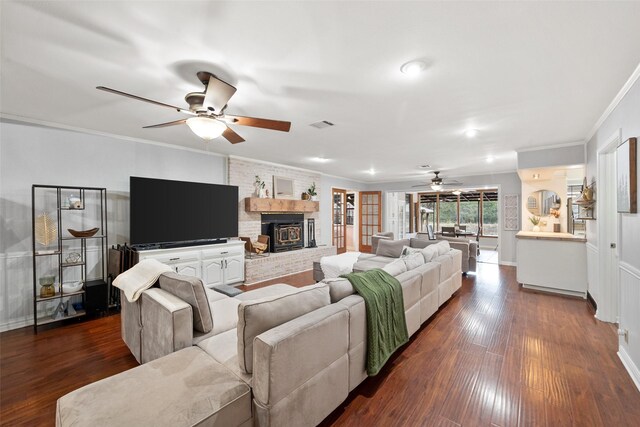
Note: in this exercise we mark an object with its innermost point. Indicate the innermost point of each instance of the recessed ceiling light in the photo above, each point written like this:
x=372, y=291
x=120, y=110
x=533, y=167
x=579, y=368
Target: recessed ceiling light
x=371, y=171
x=490, y=159
x=320, y=159
x=413, y=68
x=471, y=133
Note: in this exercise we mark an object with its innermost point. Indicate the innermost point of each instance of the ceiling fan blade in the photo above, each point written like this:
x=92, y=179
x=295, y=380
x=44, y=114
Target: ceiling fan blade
x=232, y=136
x=162, y=125
x=139, y=98
x=260, y=123
x=218, y=93
x=420, y=185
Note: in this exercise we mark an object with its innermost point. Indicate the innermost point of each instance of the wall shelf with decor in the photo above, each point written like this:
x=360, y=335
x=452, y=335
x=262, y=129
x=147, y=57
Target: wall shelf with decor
x=60, y=258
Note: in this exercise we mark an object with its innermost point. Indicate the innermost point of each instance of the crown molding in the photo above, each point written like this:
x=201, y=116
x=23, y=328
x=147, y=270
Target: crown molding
x=616, y=100
x=38, y=122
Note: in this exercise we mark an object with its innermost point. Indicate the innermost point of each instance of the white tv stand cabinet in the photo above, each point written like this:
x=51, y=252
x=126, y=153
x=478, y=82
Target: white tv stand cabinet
x=219, y=264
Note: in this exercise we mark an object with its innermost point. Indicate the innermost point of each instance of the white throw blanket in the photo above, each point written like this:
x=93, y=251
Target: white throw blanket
x=139, y=278
x=335, y=265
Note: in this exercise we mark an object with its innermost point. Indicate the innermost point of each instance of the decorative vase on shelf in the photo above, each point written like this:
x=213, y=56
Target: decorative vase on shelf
x=314, y=198
x=536, y=228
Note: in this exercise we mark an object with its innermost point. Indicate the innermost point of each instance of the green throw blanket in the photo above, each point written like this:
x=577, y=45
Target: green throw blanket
x=386, y=324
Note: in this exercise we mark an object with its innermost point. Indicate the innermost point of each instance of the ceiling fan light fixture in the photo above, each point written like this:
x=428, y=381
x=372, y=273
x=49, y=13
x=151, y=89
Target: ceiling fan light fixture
x=436, y=187
x=205, y=127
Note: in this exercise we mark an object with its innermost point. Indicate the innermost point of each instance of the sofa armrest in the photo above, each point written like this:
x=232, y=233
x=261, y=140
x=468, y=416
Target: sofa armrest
x=167, y=324
x=131, y=325
x=461, y=246
x=301, y=368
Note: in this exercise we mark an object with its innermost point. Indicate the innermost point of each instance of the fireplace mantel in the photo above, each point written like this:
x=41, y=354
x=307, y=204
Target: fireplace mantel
x=254, y=204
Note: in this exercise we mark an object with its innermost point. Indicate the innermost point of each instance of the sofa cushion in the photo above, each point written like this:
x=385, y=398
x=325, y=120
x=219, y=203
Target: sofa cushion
x=367, y=265
x=413, y=260
x=396, y=267
x=391, y=248
x=407, y=250
x=224, y=350
x=429, y=253
x=185, y=388
x=446, y=266
x=191, y=290
x=443, y=247
x=339, y=288
x=258, y=316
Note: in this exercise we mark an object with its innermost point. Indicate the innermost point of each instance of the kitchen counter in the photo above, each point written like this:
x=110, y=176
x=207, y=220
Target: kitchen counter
x=547, y=235
x=552, y=262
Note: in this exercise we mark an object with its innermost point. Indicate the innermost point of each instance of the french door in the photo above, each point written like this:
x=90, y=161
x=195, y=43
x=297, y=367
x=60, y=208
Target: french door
x=370, y=217
x=339, y=220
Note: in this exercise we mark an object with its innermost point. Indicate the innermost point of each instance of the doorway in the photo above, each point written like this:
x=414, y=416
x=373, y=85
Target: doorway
x=608, y=281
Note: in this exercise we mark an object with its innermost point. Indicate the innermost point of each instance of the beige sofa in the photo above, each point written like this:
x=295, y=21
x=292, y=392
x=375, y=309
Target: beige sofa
x=291, y=359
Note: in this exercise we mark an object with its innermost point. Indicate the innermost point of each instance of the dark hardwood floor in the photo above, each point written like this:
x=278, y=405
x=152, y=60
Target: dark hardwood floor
x=493, y=355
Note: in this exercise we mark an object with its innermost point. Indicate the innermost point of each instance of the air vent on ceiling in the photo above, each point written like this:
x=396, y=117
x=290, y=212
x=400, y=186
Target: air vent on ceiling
x=321, y=125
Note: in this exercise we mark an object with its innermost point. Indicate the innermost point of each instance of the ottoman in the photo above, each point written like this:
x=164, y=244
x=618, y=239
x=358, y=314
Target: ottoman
x=185, y=388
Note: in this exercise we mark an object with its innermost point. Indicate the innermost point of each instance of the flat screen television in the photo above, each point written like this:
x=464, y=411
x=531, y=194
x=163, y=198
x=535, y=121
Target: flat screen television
x=164, y=211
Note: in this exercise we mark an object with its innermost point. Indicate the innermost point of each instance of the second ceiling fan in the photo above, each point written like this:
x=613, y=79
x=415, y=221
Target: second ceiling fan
x=438, y=183
x=207, y=110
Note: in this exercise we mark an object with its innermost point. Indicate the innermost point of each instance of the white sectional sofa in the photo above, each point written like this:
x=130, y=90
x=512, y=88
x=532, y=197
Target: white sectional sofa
x=291, y=357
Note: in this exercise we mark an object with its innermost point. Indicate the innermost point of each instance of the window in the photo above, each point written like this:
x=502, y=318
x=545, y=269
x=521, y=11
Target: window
x=476, y=211
x=351, y=201
x=447, y=211
x=490, y=213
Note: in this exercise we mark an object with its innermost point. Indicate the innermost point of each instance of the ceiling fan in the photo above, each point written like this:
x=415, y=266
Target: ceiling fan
x=438, y=183
x=207, y=110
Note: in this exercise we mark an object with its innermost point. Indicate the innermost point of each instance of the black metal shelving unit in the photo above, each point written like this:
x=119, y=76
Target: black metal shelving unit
x=100, y=198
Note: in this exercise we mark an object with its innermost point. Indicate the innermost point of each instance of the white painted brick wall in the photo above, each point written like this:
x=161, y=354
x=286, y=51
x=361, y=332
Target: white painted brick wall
x=242, y=173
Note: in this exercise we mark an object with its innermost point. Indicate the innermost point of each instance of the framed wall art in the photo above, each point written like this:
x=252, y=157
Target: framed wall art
x=282, y=188
x=626, y=176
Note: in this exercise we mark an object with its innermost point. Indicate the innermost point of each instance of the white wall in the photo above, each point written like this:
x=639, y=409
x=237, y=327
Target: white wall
x=553, y=156
x=31, y=154
x=625, y=118
x=507, y=183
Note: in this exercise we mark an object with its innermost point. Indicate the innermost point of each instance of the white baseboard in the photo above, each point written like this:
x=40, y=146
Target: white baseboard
x=632, y=369
x=16, y=323
x=510, y=263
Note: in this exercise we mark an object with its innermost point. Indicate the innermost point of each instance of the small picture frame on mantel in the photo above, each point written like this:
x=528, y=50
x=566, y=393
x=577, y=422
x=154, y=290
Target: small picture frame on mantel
x=626, y=176
x=282, y=188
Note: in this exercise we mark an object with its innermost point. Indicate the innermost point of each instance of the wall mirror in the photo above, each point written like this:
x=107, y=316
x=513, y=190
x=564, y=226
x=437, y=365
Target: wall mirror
x=544, y=203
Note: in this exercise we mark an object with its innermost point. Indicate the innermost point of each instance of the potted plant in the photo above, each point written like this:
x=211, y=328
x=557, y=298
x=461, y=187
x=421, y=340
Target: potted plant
x=535, y=220
x=259, y=186
x=312, y=192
